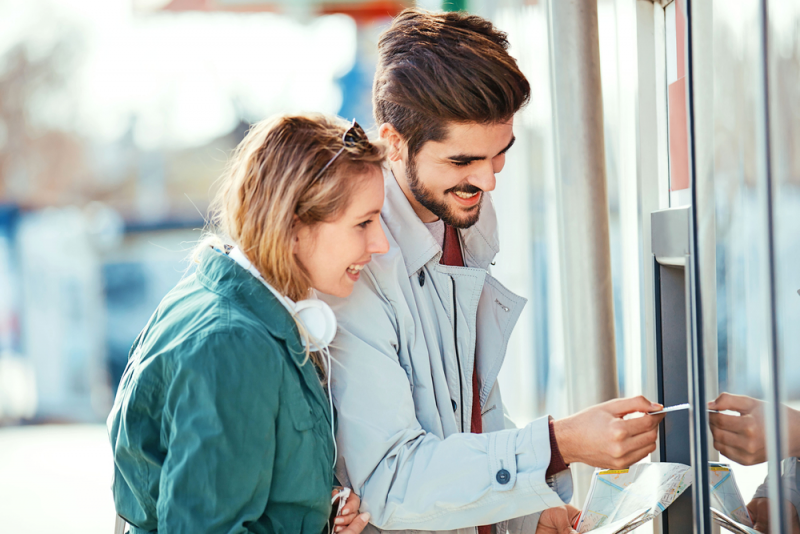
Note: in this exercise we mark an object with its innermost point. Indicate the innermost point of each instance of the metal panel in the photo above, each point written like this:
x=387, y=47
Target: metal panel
x=673, y=384
x=670, y=231
x=670, y=245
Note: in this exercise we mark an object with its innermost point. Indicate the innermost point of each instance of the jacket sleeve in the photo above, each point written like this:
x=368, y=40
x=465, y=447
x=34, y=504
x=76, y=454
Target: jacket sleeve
x=790, y=481
x=408, y=478
x=219, y=423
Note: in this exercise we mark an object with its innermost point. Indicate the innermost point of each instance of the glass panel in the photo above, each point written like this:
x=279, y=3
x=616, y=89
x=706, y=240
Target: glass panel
x=784, y=58
x=742, y=322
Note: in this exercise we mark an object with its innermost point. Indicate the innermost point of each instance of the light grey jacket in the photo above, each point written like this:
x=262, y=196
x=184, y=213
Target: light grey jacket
x=403, y=406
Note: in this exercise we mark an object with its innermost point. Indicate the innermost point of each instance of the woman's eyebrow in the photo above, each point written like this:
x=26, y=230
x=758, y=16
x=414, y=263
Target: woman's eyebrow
x=466, y=158
x=369, y=214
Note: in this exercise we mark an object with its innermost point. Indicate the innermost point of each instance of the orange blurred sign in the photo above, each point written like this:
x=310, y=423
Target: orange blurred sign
x=676, y=94
x=361, y=10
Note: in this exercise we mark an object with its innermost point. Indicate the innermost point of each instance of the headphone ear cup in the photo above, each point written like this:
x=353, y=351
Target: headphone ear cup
x=318, y=319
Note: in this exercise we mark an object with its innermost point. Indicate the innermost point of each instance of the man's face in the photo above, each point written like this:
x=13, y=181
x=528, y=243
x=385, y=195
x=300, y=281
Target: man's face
x=447, y=178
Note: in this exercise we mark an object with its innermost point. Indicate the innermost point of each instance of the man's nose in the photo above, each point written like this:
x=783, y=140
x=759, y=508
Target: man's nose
x=484, y=178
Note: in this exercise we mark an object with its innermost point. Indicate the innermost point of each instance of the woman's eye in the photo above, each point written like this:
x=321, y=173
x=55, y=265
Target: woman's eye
x=365, y=223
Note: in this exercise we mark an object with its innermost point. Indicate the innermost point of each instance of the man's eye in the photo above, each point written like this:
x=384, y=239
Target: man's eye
x=461, y=163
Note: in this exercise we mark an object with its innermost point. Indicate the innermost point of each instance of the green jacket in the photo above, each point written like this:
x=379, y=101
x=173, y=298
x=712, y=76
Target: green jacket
x=217, y=425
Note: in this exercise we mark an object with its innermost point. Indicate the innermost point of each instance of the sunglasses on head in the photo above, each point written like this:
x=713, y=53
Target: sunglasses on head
x=352, y=137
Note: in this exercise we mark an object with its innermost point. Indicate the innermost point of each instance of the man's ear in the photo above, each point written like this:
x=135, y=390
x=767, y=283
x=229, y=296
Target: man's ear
x=393, y=140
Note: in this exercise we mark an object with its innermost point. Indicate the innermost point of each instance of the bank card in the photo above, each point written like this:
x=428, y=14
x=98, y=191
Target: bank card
x=676, y=408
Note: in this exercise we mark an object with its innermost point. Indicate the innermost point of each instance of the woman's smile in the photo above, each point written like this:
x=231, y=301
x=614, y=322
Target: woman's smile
x=354, y=271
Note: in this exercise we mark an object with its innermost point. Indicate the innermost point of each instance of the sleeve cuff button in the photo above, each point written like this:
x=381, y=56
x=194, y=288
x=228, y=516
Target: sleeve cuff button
x=503, y=476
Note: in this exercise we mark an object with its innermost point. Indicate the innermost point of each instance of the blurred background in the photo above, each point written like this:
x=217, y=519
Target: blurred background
x=117, y=117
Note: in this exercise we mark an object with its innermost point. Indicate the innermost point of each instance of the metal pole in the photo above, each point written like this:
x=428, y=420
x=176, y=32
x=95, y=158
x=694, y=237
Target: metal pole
x=775, y=437
x=582, y=207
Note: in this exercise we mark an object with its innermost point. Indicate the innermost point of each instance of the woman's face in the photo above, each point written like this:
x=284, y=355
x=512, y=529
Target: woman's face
x=335, y=252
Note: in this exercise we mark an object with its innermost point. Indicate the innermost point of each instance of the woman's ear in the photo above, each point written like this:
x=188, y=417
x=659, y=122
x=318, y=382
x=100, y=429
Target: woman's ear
x=393, y=140
x=297, y=226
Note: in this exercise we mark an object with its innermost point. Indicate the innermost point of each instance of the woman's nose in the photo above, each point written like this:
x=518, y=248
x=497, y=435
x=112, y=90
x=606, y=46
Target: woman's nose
x=378, y=244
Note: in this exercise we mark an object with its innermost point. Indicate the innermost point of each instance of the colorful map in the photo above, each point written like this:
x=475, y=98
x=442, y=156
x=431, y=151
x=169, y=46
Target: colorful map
x=621, y=500
x=636, y=494
x=725, y=495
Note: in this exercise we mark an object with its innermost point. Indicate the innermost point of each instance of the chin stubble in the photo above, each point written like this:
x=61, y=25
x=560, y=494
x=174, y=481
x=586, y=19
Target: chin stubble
x=441, y=208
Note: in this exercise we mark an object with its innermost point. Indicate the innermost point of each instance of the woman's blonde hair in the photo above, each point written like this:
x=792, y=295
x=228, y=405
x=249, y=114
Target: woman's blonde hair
x=273, y=181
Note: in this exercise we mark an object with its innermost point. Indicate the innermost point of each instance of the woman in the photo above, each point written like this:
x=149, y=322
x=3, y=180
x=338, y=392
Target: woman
x=221, y=422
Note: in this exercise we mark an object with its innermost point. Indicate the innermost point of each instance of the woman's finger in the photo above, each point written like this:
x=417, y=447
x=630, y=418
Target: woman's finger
x=358, y=524
x=352, y=504
x=344, y=519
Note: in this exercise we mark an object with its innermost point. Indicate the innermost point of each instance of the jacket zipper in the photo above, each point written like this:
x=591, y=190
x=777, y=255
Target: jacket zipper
x=458, y=358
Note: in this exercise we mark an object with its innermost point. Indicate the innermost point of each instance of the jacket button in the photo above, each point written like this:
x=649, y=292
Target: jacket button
x=455, y=404
x=421, y=278
x=503, y=476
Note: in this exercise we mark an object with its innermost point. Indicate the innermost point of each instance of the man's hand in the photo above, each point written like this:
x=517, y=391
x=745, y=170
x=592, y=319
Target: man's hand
x=600, y=437
x=740, y=438
x=350, y=521
x=558, y=520
x=759, y=513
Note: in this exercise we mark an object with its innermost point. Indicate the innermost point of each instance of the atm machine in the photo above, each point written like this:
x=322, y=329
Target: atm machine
x=676, y=296
x=675, y=48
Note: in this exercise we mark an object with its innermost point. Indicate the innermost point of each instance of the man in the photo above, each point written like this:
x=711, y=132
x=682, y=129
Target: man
x=422, y=434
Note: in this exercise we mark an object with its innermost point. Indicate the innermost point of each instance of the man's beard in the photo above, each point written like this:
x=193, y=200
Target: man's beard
x=441, y=208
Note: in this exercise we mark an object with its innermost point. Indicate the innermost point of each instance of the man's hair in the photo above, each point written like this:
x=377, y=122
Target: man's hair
x=440, y=68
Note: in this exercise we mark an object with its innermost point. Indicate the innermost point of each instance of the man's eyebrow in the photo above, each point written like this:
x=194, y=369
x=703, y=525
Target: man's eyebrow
x=466, y=158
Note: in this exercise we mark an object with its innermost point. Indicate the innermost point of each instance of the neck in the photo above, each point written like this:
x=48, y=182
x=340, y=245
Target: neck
x=399, y=173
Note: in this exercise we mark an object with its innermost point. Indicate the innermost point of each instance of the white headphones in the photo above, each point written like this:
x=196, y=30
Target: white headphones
x=316, y=316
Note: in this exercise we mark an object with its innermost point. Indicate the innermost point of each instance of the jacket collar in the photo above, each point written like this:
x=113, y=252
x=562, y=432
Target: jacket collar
x=222, y=275
x=479, y=243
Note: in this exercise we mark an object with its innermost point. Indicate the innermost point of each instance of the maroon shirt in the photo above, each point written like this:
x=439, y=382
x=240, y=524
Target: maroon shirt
x=451, y=255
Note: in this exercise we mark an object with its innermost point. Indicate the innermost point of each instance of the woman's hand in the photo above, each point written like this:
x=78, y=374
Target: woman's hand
x=350, y=521
x=600, y=437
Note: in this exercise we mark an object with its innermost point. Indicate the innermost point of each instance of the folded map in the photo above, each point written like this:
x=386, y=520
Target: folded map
x=620, y=500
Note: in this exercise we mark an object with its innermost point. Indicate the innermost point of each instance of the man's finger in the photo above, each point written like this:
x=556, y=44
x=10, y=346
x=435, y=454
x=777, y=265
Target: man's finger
x=620, y=407
x=732, y=423
x=735, y=403
x=738, y=440
x=643, y=440
x=633, y=457
x=737, y=455
x=358, y=524
x=573, y=513
x=640, y=425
